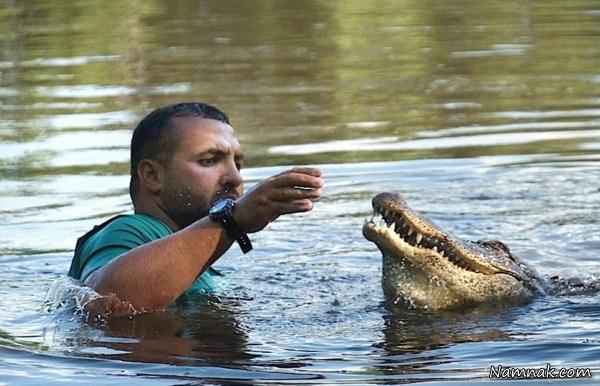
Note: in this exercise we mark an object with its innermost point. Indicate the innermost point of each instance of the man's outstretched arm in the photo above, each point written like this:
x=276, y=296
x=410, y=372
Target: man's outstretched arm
x=153, y=275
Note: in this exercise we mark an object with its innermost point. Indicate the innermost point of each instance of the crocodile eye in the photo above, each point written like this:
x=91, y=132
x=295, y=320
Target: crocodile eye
x=499, y=246
x=502, y=246
x=494, y=244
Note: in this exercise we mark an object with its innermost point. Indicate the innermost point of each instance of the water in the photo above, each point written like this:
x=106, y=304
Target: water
x=485, y=115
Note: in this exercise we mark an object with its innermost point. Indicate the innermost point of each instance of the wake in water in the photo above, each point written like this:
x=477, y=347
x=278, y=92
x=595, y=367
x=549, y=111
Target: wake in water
x=69, y=295
x=558, y=286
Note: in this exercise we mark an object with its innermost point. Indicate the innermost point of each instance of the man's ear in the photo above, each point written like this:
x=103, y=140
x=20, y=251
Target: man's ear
x=151, y=175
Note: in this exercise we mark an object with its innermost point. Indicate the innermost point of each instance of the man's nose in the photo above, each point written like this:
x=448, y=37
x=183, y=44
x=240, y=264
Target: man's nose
x=232, y=177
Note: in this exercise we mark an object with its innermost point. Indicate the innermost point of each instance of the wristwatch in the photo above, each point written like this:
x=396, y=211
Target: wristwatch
x=222, y=212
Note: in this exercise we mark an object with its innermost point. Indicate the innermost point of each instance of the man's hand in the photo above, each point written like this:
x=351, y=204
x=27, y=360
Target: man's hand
x=292, y=191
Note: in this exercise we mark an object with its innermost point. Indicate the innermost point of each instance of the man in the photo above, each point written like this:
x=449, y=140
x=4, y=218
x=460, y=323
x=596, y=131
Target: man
x=189, y=206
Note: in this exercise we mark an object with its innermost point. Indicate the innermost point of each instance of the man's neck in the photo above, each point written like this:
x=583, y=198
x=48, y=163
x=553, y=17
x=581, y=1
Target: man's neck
x=154, y=211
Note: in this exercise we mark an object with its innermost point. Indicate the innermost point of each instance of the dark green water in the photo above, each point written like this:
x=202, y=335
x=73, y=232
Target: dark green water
x=485, y=114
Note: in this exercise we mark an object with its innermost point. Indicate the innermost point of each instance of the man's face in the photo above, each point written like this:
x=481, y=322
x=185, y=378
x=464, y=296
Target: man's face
x=205, y=165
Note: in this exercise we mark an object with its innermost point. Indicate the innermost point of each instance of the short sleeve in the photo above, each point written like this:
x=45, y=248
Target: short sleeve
x=117, y=238
x=121, y=235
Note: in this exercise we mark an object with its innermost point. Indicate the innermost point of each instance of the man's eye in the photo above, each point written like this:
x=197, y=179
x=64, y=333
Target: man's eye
x=207, y=161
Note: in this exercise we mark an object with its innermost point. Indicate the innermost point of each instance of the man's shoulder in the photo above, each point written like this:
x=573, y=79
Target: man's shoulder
x=115, y=236
x=141, y=225
x=129, y=231
x=138, y=220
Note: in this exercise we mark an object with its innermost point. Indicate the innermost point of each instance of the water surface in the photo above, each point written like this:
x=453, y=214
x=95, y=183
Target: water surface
x=485, y=115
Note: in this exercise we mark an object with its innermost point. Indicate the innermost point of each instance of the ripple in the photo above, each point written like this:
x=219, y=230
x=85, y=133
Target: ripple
x=476, y=129
x=391, y=143
x=8, y=92
x=366, y=125
x=547, y=114
x=286, y=90
x=84, y=91
x=90, y=157
x=69, y=61
x=69, y=141
x=85, y=121
x=50, y=106
x=590, y=146
x=496, y=50
x=460, y=105
x=105, y=91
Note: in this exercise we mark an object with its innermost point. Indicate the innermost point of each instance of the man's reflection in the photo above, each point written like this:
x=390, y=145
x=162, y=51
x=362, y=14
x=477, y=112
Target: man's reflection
x=196, y=328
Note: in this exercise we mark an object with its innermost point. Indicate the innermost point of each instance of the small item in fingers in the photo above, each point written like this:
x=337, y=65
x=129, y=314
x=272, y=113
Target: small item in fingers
x=308, y=191
x=303, y=188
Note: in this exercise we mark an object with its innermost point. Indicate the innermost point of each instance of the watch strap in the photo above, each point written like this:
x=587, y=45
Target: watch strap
x=224, y=216
x=233, y=231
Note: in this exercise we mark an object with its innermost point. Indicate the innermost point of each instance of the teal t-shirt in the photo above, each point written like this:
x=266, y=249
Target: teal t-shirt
x=120, y=235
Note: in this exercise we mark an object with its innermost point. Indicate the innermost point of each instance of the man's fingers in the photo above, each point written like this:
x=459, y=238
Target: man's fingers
x=302, y=170
x=296, y=206
x=297, y=180
x=306, y=170
x=295, y=193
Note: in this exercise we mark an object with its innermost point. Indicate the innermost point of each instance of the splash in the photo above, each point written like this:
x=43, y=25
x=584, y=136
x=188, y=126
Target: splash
x=67, y=295
x=70, y=294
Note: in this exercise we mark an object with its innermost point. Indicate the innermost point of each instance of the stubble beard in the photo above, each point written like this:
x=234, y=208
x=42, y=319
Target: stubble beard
x=182, y=207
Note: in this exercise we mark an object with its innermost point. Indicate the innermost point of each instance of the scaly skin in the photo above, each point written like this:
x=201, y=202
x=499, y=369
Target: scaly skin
x=425, y=268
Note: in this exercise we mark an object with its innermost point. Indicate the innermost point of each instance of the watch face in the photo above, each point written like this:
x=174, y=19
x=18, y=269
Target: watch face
x=219, y=206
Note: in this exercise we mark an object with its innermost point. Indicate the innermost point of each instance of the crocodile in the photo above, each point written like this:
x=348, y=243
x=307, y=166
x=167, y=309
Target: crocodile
x=429, y=269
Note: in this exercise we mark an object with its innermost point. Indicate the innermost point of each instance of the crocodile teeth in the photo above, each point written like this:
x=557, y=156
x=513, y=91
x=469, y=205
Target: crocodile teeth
x=410, y=231
x=419, y=238
x=435, y=249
